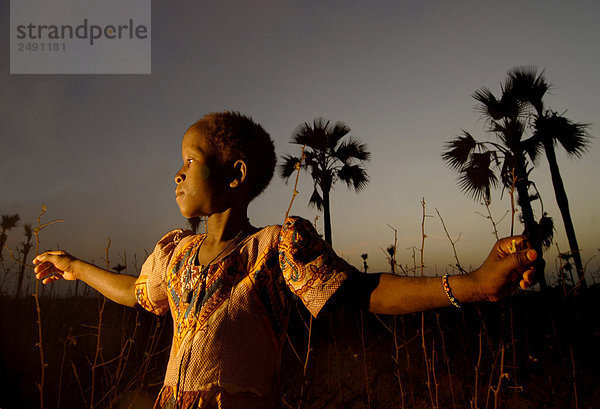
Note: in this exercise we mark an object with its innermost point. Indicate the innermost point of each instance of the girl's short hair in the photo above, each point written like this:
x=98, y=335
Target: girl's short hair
x=235, y=136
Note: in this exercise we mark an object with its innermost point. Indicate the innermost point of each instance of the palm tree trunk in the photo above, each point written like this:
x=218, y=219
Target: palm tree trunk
x=531, y=226
x=563, y=205
x=327, y=216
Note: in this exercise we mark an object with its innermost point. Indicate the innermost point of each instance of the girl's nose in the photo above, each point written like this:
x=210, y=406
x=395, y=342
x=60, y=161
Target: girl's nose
x=179, y=177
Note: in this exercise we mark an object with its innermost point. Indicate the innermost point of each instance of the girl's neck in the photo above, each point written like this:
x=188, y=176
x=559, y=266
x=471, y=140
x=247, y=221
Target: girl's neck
x=223, y=227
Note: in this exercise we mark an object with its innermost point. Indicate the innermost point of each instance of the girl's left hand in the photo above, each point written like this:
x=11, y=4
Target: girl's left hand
x=54, y=265
x=509, y=265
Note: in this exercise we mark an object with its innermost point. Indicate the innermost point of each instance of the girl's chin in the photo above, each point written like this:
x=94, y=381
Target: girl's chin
x=189, y=215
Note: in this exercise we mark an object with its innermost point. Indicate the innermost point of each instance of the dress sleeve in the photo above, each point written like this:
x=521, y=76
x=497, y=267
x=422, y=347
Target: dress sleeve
x=151, y=286
x=309, y=265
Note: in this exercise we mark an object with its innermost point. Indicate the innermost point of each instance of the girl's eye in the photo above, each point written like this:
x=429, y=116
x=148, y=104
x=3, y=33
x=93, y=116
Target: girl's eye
x=189, y=160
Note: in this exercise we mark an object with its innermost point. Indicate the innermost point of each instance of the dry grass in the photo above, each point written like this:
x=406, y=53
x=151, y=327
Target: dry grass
x=533, y=350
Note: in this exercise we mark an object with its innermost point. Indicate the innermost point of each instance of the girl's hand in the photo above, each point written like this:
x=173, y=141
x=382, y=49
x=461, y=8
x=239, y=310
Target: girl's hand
x=54, y=265
x=509, y=265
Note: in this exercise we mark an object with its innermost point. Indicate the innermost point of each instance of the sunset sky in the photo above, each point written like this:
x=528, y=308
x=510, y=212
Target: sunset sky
x=100, y=151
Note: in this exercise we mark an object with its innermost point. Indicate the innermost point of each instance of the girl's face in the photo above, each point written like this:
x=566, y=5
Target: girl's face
x=200, y=186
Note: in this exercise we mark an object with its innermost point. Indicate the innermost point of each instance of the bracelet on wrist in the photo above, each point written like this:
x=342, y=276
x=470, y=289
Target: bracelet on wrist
x=448, y=291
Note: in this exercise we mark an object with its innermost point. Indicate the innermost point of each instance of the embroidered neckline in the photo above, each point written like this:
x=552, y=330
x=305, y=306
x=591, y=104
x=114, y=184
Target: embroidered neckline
x=189, y=283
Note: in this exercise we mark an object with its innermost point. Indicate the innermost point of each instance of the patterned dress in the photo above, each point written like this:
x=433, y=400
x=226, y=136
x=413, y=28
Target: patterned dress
x=229, y=322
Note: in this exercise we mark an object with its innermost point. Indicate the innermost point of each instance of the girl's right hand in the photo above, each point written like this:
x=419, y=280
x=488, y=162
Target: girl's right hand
x=54, y=265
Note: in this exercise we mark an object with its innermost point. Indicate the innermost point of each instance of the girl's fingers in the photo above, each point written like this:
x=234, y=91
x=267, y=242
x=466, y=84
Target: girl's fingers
x=529, y=276
x=528, y=279
x=43, y=274
x=41, y=268
x=45, y=255
x=47, y=270
x=510, y=245
x=52, y=277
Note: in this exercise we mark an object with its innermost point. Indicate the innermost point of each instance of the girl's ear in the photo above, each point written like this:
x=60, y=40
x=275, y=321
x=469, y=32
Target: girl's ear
x=239, y=173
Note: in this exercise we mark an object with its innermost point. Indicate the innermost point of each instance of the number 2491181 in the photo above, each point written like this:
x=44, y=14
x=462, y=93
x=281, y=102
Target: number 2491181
x=35, y=47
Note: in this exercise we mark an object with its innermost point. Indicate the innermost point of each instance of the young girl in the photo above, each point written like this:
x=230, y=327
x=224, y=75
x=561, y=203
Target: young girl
x=229, y=290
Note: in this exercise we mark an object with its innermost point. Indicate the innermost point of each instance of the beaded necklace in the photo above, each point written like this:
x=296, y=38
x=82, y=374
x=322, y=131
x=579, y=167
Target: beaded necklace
x=188, y=287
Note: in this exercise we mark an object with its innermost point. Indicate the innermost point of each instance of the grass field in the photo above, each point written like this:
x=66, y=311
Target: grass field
x=530, y=351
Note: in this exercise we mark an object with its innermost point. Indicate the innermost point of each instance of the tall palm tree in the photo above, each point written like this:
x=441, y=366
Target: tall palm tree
x=478, y=163
x=329, y=160
x=549, y=130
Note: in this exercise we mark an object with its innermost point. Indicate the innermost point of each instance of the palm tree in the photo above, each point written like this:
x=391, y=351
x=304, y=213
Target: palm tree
x=329, y=160
x=550, y=128
x=478, y=163
x=8, y=222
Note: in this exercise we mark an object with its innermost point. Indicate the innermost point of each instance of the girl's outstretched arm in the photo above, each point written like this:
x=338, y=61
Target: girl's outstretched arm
x=54, y=265
x=509, y=264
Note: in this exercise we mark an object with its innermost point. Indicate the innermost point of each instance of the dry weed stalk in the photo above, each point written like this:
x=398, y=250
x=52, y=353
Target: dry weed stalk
x=513, y=210
x=561, y=269
x=490, y=347
x=305, y=368
x=446, y=359
x=396, y=357
x=515, y=386
x=408, y=366
x=298, y=167
x=452, y=243
x=150, y=350
x=477, y=366
x=43, y=364
x=423, y=344
x=68, y=339
x=114, y=379
x=78, y=382
x=512, y=333
x=362, y=339
x=126, y=344
x=501, y=376
x=437, y=401
x=337, y=357
x=490, y=388
x=121, y=360
x=99, y=333
x=574, y=375
x=287, y=337
x=462, y=270
x=487, y=203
